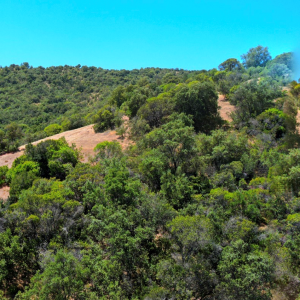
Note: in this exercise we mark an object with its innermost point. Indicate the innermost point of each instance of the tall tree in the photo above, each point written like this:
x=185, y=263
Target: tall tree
x=230, y=64
x=256, y=57
x=200, y=101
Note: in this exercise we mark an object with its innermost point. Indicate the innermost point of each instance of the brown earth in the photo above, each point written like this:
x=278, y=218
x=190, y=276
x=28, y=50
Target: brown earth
x=225, y=108
x=85, y=139
x=4, y=192
x=298, y=121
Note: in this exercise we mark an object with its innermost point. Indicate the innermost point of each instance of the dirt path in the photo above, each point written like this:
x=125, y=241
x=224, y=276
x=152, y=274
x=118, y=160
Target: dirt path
x=298, y=121
x=84, y=138
x=4, y=192
x=225, y=108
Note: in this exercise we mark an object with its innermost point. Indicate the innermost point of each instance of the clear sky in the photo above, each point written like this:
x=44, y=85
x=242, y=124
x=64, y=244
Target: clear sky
x=135, y=34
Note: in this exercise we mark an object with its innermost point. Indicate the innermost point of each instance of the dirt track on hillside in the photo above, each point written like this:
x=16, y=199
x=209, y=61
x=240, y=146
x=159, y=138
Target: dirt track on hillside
x=225, y=108
x=4, y=192
x=85, y=139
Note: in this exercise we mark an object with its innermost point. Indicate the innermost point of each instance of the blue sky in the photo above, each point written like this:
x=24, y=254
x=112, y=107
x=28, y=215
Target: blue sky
x=135, y=34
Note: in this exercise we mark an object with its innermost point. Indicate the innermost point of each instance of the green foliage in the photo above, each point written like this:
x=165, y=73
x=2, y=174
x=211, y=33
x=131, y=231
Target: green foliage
x=117, y=96
x=175, y=141
x=252, y=99
x=62, y=278
x=230, y=64
x=155, y=109
x=18, y=263
x=3, y=175
x=54, y=157
x=239, y=270
x=185, y=212
x=9, y=138
x=190, y=235
x=274, y=122
x=256, y=57
x=200, y=101
x=286, y=59
x=119, y=186
x=280, y=70
x=106, y=118
x=176, y=188
x=53, y=129
x=221, y=148
x=295, y=88
x=72, y=122
x=107, y=150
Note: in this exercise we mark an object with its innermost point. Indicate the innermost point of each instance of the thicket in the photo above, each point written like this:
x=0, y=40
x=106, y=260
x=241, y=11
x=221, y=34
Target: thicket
x=34, y=98
x=66, y=97
x=196, y=208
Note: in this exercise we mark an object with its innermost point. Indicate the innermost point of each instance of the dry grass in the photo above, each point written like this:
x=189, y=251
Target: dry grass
x=4, y=192
x=84, y=138
x=225, y=108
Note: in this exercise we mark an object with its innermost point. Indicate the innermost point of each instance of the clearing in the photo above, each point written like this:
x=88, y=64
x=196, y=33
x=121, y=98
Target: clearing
x=225, y=108
x=85, y=139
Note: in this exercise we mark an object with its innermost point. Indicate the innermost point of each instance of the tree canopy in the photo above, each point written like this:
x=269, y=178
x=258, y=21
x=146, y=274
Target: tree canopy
x=256, y=57
x=195, y=207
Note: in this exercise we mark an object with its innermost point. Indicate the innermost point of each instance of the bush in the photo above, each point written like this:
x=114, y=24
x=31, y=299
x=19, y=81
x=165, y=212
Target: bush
x=106, y=118
x=3, y=171
x=53, y=129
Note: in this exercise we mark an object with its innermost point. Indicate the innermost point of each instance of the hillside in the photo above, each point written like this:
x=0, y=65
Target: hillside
x=84, y=138
x=37, y=97
x=203, y=203
x=70, y=97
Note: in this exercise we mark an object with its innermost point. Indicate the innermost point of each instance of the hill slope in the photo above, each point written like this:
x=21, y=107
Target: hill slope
x=84, y=138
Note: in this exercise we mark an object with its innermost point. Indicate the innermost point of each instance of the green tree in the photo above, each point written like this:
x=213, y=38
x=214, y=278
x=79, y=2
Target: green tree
x=118, y=96
x=3, y=175
x=17, y=263
x=135, y=102
x=175, y=141
x=119, y=186
x=63, y=278
x=256, y=57
x=106, y=118
x=54, y=157
x=156, y=109
x=252, y=99
x=285, y=58
x=53, y=129
x=189, y=273
x=245, y=274
x=280, y=71
x=13, y=132
x=176, y=188
x=107, y=150
x=230, y=64
x=200, y=101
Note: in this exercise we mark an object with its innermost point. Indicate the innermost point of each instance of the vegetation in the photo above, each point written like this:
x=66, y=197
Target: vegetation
x=196, y=208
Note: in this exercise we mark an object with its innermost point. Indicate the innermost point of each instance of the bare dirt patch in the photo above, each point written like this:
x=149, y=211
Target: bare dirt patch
x=84, y=138
x=4, y=192
x=298, y=121
x=225, y=108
